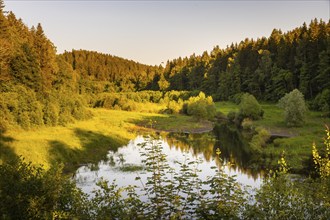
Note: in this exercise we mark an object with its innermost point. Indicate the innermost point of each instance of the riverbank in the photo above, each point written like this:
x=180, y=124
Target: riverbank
x=89, y=141
x=296, y=142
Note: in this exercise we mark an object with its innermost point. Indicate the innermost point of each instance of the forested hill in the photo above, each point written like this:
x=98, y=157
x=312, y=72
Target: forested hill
x=38, y=87
x=106, y=73
x=267, y=67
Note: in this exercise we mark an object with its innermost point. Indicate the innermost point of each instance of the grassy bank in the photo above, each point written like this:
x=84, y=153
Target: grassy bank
x=298, y=147
x=88, y=141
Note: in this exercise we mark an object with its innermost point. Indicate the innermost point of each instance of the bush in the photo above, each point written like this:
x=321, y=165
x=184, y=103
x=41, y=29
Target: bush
x=250, y=108
x=174, y=107
x=294, y=108
x=29, y=192
x=201, y=107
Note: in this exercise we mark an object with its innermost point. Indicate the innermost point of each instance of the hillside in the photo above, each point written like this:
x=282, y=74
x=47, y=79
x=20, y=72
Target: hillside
x=38, y=87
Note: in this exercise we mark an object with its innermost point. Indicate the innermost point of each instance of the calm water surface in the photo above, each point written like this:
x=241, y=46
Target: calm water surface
x=124, y=165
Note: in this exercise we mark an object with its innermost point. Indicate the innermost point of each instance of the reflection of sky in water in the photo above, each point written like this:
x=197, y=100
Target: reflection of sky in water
x=87, y=176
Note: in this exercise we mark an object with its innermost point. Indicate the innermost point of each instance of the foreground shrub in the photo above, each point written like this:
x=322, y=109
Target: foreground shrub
x=29, y=192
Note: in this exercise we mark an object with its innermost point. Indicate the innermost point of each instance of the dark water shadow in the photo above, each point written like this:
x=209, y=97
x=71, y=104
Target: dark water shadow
x=6, y=152
x=95, y=147
x=236, y=149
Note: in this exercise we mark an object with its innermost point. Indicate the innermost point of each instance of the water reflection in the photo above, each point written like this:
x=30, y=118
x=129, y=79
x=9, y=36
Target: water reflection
x=236, y=149
x=126, y=164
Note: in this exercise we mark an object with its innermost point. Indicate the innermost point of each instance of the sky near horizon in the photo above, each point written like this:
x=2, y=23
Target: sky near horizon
x=152, y=32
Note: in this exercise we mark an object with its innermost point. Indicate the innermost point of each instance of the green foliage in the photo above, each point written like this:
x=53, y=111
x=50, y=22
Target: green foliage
x=107, y=73
x=294, y=108
x=322, y=164
x=201, y=107
x=182, y=194
x=51, y=114
x=29, y=192
x=322, y=102
x=174, y=107
x=284, y=197
x=250, y=108
x=266, y=68
x=260, y=139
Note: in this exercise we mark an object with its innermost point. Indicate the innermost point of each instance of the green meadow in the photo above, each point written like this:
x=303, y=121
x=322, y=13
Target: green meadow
x=297, y=147
x=89, y=140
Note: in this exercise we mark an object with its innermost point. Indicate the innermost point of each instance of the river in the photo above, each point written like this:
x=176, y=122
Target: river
x=125, y=165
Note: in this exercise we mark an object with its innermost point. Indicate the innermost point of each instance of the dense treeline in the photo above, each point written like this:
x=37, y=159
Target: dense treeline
x=267, y=67
x=38, y=87
x=105, y=73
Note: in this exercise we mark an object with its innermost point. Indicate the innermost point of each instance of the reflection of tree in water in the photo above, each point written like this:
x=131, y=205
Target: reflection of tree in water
x=195, y=143
x=236, y=150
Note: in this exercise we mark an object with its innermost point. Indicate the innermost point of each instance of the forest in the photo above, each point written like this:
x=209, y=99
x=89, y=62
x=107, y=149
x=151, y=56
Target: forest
x=40, y=88
x=30, y=67
x=268, y=68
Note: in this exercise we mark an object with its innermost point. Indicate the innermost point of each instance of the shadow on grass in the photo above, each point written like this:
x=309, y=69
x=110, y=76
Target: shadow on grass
x=95, y=147
x=174, y=123
x=6, y=152
x=152, y=122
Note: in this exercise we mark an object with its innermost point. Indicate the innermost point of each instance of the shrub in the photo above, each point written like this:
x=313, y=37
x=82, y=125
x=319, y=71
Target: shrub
x=250, y=108
x=201, y=107
x=29, y=192
x=174, y=107
x=294, y=108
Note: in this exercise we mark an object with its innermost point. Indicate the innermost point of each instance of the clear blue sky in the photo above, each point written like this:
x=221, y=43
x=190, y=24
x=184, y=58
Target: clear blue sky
x=152, y=32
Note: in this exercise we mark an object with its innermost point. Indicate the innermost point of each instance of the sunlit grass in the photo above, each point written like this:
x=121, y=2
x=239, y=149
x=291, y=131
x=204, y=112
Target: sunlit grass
x=226, y=107
x=88, y=141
